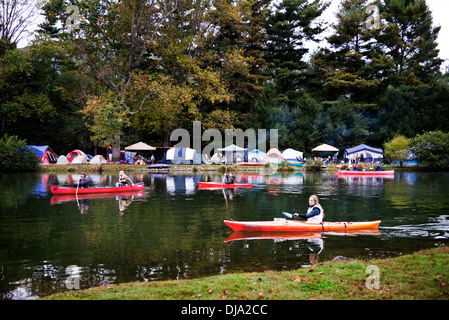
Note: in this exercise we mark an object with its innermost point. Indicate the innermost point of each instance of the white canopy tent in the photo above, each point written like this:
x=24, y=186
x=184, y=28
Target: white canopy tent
x=325, y=148
x=232, y=152
x=140, y=146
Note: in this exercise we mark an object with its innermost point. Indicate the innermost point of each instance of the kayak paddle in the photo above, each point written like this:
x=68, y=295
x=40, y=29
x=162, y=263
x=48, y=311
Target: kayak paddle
x=288, y=214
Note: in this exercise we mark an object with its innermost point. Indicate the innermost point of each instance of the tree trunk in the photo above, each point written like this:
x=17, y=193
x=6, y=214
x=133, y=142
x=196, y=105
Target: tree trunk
x=166, y=142
x=116, y=150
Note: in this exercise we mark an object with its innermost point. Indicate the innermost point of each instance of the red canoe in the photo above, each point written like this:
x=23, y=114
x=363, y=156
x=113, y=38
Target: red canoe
x=223, y=185
x=71, y=190
x=283, y=225
x=365, y=173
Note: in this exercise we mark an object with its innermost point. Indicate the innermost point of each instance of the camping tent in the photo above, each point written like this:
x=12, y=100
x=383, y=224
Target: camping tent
x=62, y=160
x=325, y=148
x=363, y=153
x=232, y=152
x=98, y=159
x=140, y=146
x=181, y=156
x=73, y=154
x=79, y=159
x=45, y=154
x=292, y=154
x=256, y=155
x=273, y=156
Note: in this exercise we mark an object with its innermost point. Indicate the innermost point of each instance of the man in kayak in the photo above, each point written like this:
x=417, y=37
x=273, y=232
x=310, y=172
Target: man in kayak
x=83, y=182
x=315, y=213
x=229, y=179
x=124, y=180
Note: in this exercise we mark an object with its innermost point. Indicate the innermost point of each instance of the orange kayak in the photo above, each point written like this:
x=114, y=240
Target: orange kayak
x=284, y=225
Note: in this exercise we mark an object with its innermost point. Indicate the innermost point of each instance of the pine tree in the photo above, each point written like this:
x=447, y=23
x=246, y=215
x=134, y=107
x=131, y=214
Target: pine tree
x=288, y=26
x=410, y=40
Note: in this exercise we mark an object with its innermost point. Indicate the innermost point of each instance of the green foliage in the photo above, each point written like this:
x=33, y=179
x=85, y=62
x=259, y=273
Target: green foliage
x=397, y=149
x=15, y=155
x=432, y=149
x=140, y=69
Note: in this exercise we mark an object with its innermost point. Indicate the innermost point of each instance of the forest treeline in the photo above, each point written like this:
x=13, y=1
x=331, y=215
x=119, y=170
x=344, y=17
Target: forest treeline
x=102, y=72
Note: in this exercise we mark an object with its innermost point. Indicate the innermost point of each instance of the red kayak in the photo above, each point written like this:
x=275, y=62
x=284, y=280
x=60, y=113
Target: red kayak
x=283, y=225
x=365, y=173
x=223, y=185
x=72, y=190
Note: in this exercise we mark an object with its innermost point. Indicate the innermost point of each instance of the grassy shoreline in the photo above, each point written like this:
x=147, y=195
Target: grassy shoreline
x=423, y=275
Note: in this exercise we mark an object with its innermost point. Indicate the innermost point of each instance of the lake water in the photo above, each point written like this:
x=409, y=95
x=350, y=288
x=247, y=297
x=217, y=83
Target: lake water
x=174, y=231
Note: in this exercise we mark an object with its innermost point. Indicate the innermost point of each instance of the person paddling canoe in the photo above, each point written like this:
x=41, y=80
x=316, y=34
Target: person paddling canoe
x=83, y=182
x=229, y=179
x=123, y=180
x=315, y=212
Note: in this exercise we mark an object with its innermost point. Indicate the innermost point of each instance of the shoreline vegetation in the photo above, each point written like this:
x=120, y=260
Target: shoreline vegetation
x=421, y=275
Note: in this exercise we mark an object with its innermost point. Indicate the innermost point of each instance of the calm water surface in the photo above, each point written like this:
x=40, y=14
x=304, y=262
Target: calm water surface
x=173, y=230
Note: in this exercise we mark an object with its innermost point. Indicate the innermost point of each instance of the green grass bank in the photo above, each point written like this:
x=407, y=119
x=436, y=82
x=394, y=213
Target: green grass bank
x=423, y=275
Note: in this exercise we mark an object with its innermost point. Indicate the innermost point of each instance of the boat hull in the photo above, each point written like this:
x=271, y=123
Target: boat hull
x=69, y=190
x=365, y=173
x=223, y=185
x=283, y=225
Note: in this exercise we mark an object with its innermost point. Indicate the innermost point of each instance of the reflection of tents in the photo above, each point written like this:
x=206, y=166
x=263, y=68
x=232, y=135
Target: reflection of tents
x=140, y=146
x=98, y=159
x=364, y=152
x=292, y=154
x=324, y=148
x=256, y=155
x=45, y=154
x=75, y=153
x=181, y=156
x=273, y=156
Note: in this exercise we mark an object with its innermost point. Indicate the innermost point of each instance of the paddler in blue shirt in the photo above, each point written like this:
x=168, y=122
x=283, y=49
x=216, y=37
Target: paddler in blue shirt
x=315, y=212
x=83, y=181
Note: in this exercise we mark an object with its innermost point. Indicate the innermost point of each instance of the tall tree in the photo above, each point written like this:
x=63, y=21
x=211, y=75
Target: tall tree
x=289, y=25
x=410, y=40
x=351, y=66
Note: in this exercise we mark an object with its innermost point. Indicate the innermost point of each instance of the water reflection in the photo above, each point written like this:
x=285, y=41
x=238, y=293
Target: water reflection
x=173, y=230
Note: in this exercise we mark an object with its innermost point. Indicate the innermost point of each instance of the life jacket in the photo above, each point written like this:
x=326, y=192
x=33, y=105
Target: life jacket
x=315, y=219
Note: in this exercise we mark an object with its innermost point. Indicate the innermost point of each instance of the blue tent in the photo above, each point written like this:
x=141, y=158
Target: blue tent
x=363, y=153
x=45, y=154
x=181, y=156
